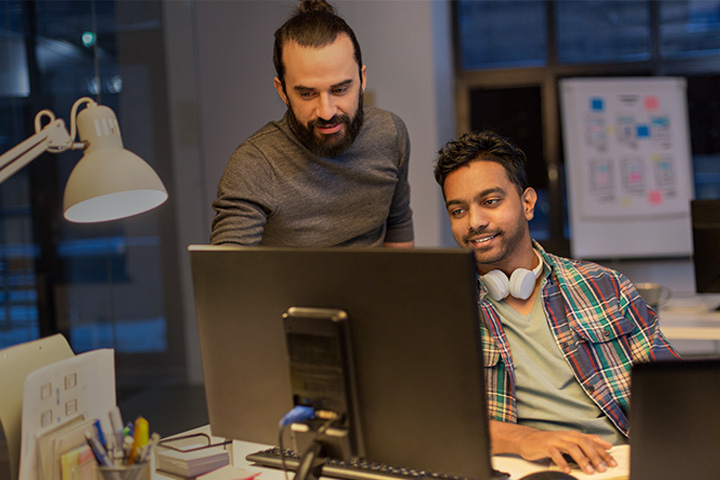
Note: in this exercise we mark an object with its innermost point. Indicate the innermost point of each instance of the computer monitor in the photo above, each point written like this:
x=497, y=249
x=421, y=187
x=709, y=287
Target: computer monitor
x=674, y=420
x=414, y=324
x=705, y=216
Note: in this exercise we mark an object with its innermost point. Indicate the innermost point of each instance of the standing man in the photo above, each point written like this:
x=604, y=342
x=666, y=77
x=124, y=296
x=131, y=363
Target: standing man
x=559, y=336
x=331, y=172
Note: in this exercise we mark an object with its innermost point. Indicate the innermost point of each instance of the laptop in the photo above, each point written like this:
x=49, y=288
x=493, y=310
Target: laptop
x=675, y=420
x=414, y=325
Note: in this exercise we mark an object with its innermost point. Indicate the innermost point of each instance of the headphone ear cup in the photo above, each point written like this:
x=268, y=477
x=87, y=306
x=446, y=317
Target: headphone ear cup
x=522, y=283
x=496, y=283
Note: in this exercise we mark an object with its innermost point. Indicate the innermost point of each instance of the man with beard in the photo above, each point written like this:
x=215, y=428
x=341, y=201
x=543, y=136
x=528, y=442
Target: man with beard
x=331, y=172
x=559, y=336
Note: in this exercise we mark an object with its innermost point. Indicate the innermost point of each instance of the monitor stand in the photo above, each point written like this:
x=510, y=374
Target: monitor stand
x=326, y=441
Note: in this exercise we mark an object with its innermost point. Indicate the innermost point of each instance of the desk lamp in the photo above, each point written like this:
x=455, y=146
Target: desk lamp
x=108, y=182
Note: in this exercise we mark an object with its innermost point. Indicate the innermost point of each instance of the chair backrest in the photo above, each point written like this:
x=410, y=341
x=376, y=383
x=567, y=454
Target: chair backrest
x=16, y=363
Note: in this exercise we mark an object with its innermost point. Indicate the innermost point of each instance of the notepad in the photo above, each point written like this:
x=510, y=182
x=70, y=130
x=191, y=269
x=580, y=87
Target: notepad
x=74, y=463
x=192, y=463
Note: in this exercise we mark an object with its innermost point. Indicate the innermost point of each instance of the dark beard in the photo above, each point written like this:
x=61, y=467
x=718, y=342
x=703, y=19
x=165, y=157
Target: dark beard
x=328, y=145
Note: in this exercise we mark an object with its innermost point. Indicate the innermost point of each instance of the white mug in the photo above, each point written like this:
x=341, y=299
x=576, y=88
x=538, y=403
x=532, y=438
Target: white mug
x=654, y=294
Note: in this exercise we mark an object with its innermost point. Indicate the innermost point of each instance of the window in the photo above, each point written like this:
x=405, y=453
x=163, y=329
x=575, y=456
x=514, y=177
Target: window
x=592, y=31
x=486, y=41
x=511, y=58
x=102, y=285
x=689, y=28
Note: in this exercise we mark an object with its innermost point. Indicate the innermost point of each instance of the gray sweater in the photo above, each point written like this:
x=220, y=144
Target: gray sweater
x=275, y=192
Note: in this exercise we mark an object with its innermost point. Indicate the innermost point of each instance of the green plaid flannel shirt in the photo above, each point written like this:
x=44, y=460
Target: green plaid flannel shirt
x=601, y=325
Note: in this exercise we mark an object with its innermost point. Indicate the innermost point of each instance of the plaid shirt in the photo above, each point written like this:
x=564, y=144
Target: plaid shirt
x=601, y=325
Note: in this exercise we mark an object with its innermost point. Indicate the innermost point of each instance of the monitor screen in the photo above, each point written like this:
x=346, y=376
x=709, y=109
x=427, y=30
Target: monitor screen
x=414, y=328
x=706, y=244
x=675, y=421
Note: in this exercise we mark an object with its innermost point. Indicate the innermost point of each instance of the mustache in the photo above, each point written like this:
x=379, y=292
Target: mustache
x=473, y=232
x=335, y=120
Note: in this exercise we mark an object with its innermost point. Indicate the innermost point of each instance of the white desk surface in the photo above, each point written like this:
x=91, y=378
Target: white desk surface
x=516, y=466
x=690, y=319
x=681, y=319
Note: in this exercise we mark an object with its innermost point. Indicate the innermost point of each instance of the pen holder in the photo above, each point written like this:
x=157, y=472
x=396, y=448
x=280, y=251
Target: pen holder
x=140, y=471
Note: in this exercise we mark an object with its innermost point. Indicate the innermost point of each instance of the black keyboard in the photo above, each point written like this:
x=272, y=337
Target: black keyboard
x=355, y=469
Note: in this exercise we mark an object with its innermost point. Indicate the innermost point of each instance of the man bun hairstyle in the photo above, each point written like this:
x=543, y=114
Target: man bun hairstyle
x=307, y=6
x=484, y=146
x=316, y=25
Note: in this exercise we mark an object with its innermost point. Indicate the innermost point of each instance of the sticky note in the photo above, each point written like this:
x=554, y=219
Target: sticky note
x=597, y=104
x=655, y=197
x=652, y=102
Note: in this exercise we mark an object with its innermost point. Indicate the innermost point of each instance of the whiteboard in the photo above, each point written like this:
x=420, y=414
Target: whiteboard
x=628, y=166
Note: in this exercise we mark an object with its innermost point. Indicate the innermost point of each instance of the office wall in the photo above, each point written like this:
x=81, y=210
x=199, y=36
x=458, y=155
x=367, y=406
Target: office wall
x=221, y=90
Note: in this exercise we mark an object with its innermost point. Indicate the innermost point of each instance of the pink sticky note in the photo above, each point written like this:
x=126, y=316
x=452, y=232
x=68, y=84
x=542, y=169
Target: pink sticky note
x=652, y=102
x=655, y=197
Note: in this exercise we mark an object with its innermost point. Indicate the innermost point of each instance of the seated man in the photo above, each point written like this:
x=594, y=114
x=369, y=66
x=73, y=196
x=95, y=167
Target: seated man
x=560, y=336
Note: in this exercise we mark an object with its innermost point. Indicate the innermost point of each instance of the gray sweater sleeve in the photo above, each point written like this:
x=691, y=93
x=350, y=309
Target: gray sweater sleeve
x=244, y=198
x=400, y=221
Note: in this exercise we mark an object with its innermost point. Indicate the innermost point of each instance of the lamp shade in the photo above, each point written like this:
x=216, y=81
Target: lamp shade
x=108, y=182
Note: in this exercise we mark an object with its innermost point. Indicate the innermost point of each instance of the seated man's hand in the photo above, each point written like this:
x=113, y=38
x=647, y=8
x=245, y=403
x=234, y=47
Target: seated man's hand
x=590, y=452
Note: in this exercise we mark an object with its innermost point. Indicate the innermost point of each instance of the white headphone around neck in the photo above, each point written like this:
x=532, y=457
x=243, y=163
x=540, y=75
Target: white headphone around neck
x=520, y=285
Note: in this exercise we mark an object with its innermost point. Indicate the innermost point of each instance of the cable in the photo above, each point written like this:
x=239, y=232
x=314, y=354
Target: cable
x=310, y=455
x=299, y=413
x=282, y=451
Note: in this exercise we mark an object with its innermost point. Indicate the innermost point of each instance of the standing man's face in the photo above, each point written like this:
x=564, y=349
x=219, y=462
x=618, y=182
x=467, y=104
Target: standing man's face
x=323, y=92
x=488, y=215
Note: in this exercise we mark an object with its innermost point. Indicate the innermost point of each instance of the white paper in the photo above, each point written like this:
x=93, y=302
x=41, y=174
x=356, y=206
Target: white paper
x=83, y=385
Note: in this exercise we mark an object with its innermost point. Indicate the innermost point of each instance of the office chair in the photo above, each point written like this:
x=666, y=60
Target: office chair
x=16, y=363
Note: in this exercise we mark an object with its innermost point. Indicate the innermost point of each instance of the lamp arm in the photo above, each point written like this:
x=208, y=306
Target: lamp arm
x=73, y=113
x=54, y=138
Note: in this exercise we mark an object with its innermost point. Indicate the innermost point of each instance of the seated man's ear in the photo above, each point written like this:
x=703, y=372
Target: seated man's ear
x=529, y=198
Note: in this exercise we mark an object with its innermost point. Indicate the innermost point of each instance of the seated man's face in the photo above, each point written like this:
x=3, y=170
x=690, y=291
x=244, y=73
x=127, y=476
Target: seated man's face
x=487, y=212
x=323, y=91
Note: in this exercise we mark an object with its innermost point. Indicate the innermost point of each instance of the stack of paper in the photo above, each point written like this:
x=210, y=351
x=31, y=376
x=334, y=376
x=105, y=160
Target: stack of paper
x=193, y=463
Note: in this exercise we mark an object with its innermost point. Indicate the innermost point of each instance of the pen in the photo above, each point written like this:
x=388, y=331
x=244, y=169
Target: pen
x=99, y=433
x=147, y=450
x=97, y=450
x=116, y=422
x=128, y=430
x=127, y=448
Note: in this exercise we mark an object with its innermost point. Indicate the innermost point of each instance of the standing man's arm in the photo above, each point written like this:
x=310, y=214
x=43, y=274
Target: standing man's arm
x=400, y=232
x=244, y=199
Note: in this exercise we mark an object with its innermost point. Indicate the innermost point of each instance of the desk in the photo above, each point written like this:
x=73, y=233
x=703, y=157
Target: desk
x=692, y=325
x=512, y=464
x=689, y=324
